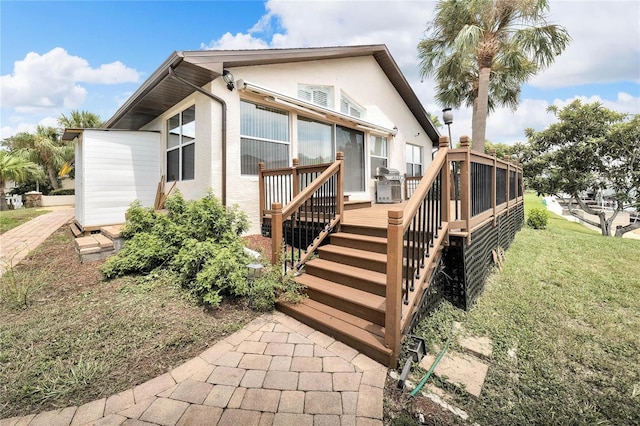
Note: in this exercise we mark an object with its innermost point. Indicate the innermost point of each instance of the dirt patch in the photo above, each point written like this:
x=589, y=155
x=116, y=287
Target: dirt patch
x=402, y=409
x=83, y=339
x=259, y=243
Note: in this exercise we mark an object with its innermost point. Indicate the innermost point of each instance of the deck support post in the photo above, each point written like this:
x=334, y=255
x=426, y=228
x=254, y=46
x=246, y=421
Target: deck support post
x=494, y=182
x=340, y=188
x=295, y=178
x=445, y=174
x=465, y=185
x=507, y=159
x=261, y=189
x=393, y=316
x=276, y=233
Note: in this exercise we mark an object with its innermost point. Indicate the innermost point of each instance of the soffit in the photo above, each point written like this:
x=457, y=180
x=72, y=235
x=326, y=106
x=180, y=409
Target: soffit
x=161, y=92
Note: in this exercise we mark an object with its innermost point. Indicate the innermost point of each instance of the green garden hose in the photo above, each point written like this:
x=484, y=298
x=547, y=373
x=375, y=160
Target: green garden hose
x=435, y=363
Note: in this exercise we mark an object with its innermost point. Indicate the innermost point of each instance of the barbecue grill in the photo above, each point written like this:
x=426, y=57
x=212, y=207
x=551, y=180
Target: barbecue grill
x=388, y=185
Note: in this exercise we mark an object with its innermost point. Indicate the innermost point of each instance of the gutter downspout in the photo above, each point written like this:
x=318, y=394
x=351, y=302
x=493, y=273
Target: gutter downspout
x=222, y=102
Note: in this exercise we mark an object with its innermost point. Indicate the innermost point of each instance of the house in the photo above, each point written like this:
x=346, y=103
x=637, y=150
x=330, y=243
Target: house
x=205, y=119
x=285, y=134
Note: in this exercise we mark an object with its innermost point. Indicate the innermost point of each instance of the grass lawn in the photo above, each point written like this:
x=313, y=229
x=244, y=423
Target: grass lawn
x=564, y=317
x=9, y=219
x=82, y=339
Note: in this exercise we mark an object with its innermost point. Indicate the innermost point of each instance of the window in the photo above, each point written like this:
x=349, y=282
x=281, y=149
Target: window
x=315, y=142
x=264, y=137
x=349, y=107
x=377, y=153
x=181, y=136
x=318, y=95
x=414, y=160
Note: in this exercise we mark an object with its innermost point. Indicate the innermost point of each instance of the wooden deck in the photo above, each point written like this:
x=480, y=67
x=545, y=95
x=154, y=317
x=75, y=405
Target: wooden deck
x=374, y=216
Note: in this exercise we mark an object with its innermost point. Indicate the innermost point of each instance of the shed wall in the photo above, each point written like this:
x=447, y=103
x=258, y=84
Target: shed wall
x=118, y=167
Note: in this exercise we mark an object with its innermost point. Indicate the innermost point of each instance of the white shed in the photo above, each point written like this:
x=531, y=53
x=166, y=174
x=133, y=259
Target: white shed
x=113, y=168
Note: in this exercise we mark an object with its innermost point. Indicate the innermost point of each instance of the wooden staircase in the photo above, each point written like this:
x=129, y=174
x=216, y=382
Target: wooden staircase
x=346, y=285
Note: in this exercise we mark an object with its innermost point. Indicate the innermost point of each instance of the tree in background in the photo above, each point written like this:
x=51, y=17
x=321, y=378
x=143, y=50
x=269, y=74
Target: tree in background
x=44, y=147
x=80, y=120
x=590, y=149
x=77, y=120
x=481, y=51
x=13, y=167
x=434, y=120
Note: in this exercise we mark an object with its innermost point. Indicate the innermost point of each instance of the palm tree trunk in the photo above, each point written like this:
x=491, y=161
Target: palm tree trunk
x=53, y=177
x=3, y=201
x=480, y=111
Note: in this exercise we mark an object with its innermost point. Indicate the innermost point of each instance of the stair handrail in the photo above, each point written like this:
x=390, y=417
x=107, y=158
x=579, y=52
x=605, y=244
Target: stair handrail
x=399, y=222
x=280, y=213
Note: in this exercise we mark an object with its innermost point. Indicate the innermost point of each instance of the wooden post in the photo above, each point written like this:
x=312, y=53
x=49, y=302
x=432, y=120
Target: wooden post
x=261, y=189
x=445, y=173
x=393, y=314
x=295, y=179
x=465, y=185
x=494, y=182
x=276, y=232
x=507, y=159
x=340, y=188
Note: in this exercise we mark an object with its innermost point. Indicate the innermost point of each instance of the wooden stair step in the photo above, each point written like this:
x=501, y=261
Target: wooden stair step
x=75, y=230
x=368, y=306
x=342, y=326
x=355, y=204
x=373, y=231
x=362, y=279
x=359, y=241
x=360, y=258
x=105, y=242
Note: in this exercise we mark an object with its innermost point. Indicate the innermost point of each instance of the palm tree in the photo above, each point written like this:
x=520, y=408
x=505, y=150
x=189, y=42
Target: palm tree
x=80, y=120
x=45, y=148
x=16, y=168
x=481, y=52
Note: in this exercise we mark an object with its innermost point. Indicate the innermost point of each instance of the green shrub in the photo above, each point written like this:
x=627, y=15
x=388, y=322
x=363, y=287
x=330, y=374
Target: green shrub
x=140, y=255
x=538, y=218
x=197, y=240
x=63, y=191
x=265, y=290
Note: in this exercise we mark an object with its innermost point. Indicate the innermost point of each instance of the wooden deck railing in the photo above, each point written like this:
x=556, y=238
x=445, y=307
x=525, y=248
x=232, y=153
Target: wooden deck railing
x=488, y=187
x=414, y=236
x=314, y=210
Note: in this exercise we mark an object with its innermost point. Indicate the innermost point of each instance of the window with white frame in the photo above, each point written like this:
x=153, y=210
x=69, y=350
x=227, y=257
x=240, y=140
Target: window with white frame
x=181, y=136
x=318, y=95
x=414, y=160
x=377, y=153
x=350, y=107
x=264, y=137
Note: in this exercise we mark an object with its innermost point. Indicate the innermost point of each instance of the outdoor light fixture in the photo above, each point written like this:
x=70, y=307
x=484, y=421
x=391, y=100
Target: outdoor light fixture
x=228, y=78
x=447, y=117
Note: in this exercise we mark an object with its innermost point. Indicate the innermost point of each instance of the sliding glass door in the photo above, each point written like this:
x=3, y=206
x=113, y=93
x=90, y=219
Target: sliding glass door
x=351, y=142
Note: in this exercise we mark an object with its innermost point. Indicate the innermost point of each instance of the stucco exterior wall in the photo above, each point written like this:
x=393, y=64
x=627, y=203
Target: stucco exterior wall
x=361, y=79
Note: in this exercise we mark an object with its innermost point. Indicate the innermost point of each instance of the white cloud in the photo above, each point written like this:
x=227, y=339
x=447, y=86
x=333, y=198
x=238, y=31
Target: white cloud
x=22, y=125
x=235, y=42
x=605, y=46
x=53, y=81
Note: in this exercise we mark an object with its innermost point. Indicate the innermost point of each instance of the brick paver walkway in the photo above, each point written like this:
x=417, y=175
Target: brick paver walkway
x=275, y=371
x=18, y=242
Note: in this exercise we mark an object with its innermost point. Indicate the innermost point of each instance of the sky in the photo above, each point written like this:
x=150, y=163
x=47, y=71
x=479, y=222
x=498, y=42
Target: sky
x=59, y=56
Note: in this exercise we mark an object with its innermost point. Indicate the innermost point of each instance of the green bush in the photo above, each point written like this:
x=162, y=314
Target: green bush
x=63, y=191
x=199, y=241
x=538, y=218
x=265, y=290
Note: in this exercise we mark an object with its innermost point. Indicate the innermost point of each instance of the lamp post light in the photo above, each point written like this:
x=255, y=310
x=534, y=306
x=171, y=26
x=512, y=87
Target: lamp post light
x=447, y=117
